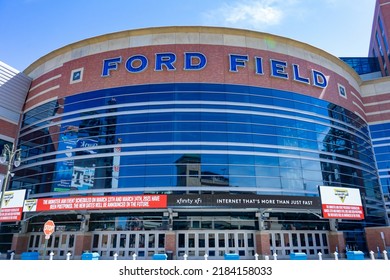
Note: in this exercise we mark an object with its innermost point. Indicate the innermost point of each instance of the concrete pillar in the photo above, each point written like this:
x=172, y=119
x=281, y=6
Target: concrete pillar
x=337, y=240
x=170, y=242
x=263, y=247
x=20, y=243
x=377, y=237
x=83, y=242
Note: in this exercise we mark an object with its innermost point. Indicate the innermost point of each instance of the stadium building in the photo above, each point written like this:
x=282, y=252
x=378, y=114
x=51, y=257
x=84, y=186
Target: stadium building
x=196, y=140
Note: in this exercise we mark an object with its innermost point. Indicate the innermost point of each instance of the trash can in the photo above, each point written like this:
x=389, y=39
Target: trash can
x=90, y=256
x=355, y=255
x=9, y=252
x=231, y=257
x=160, y=257
x=169, y=255
x=298, y=256
x=29, y=256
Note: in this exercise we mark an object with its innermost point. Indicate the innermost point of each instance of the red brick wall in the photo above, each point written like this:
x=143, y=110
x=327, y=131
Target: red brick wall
x=20, y=243
x=336, y=238
x=83, y=243
x=170, y=242
x=262, y=244
x=374, y=240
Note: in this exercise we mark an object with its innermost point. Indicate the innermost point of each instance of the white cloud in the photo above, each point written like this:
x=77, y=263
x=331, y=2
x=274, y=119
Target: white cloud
x=254, y=14
x=257, y=14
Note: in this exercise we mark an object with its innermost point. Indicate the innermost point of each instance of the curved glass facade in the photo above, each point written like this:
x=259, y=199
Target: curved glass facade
x=175, y=138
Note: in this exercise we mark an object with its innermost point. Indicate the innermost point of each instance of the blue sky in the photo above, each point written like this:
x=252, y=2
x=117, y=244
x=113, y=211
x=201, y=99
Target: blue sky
x=32, y=28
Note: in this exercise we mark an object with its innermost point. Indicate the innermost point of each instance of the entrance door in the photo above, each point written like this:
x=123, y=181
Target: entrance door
x=144, y=244
x=60, y=243
x=196, y=244
x=309, y=242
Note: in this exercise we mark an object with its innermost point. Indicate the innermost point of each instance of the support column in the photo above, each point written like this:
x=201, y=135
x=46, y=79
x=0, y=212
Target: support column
x=337, y=240
x=170, y=243
x=263, y=247
x=378, y=237
x=83, y=243
x=20, y=243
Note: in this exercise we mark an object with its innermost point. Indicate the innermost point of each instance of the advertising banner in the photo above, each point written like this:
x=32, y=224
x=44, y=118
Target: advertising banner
x=82, y=178
x=12, y=206
x=244, y=201
x=96, y=203
x=341, y=203
x=64, y=168
x=164, y=201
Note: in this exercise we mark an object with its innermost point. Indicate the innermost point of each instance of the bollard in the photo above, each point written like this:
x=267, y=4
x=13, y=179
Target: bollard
x=275, y=256
x=379, y=252
x=372, y=255
x=266, y=258
x=206, y=257
x=385, y=254
x=185, y=256
x=256, y=256
x=68, y=256
x=320, y=256
x=336, y=256
x=51, y=256
x=12, y=256
x=115, y=256
x=134, y=256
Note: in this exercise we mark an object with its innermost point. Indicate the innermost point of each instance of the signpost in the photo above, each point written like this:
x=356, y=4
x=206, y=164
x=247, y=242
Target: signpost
x=48, y=230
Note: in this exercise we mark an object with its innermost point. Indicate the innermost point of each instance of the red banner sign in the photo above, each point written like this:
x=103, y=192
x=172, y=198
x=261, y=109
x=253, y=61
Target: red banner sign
x=12, y=206
x=11, y=214
x=350, y=212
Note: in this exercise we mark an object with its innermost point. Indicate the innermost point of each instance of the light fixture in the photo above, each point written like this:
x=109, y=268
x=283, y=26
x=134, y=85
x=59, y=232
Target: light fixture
x=10, y=156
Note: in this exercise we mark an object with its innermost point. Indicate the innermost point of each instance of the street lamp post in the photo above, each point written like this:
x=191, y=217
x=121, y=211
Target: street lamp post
x=11, y=157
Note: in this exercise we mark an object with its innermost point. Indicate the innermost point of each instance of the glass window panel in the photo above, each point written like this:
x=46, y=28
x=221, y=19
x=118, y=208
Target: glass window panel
x=202, y=240
x=141, y=240
x=267, y=171
x=113, y=241
x=242, y=181
x=187, y=136
x=311, y=175
x=291, y=184
x=161, y=240
x=214, y=137
x=290, y=173
x=268, y=183
x=241, y=170
x=241, y=159
x=132, y=240
x=214, y=159
x=303, y=239
x=211, y=240
x=264, y=139
x=151, y=243
x=133, y=170
x=221, y=240
x=289, y=162
x=191, y=240
x=240, y=138
x=71, y=241
x=181, y=243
